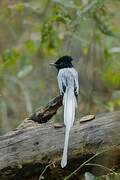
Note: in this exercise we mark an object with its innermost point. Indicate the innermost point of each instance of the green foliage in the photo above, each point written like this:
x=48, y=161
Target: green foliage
x=111, y=70
x=32, y=46
x=111, y=73
x=102, y=26
x=33, y=33
x=49, y=39
x=10, y=57
x=19, y=7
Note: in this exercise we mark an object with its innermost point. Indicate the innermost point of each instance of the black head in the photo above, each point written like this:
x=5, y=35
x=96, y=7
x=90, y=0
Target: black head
x=63, y=62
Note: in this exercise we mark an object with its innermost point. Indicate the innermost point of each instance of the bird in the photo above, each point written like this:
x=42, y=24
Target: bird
x=67, y=78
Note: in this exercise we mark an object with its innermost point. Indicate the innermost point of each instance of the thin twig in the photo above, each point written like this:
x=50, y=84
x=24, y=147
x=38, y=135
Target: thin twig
x=97, y=154
x=41, y=176
x=104, y=167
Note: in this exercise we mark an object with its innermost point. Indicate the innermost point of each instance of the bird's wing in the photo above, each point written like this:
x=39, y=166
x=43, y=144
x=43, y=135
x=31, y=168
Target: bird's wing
x=61, y=82
x=74, y=75
x=76, y=85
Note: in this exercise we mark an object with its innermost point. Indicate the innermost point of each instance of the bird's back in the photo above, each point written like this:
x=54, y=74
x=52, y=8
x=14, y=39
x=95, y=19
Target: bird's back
x=67, y=77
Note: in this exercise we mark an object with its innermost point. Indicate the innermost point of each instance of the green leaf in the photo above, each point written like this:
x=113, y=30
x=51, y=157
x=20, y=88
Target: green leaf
x=19, y=7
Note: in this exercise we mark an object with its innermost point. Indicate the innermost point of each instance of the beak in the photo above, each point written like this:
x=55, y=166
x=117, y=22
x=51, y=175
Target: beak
x=52, y=64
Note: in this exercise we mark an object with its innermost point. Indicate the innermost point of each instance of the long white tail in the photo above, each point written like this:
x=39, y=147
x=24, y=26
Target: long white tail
x=69, y=102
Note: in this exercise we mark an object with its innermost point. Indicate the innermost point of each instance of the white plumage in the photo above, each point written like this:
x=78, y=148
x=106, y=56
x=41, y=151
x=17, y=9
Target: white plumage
x=68, y=85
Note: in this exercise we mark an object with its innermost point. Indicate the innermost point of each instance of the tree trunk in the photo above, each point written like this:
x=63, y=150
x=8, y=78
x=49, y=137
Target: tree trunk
x=27, y=149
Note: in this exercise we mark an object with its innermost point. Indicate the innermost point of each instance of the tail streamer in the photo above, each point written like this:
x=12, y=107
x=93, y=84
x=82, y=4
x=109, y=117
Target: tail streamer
x=69, y=102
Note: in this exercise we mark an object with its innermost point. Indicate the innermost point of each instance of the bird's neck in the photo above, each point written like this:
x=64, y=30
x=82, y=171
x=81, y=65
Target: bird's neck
x=65, y=66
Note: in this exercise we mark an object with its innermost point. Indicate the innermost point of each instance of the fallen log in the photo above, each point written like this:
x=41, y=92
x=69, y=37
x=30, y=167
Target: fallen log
x=32, y=145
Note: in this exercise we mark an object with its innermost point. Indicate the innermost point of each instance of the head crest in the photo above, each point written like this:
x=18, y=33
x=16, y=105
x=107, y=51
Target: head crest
x=65, y=58
x=64, y=62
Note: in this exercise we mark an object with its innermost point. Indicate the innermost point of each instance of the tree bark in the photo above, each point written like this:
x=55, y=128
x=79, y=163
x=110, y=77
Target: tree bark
x=44, y=113
x=33, y=144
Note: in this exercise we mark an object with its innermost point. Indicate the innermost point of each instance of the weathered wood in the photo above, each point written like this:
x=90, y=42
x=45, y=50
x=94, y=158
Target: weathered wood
x=43, y=114
x=33, y=143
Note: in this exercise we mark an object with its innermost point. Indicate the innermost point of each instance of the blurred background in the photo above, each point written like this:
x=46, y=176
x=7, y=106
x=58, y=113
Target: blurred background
x=35, y=33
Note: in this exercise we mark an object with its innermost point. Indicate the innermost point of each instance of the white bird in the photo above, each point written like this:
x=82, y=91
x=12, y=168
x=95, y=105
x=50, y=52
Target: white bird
x=69, y=88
